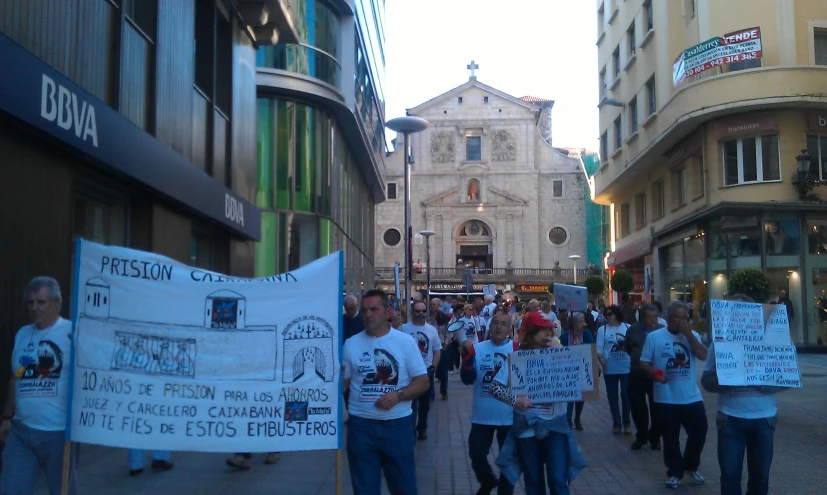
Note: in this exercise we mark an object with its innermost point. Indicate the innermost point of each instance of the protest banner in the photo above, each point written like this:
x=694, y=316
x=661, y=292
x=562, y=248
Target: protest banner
x=549, y=375
x=753, y=345
x=172, y=357
x=570, y=297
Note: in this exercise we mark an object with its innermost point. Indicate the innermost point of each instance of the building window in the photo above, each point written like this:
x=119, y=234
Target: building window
x=691, y=8
x=459, y=100
x=820, y=46
x=651, y=97
x=202, y=249
x=640, y=211
x=817, y=149
x=473, y=148
x=749, y=160
x=391, y=190
x=391, y=237
x=557, y=188
x=99, y=219
x=633, y=115
x=630, y=36
x=700, y=177
x=603, y=86
x=601, y=20
x=679, y=186
x=650, y=16
x=604, y=147
x=618, y=133
x=558, y=236
x=658, y=207
x=616, y=61
x=624, y=220
x=485, y=99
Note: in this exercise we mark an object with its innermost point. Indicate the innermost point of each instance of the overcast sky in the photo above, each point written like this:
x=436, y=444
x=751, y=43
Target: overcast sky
x=542, y=48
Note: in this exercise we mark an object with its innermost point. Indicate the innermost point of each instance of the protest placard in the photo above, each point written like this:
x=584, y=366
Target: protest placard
x=753, y=345
x=555, y=375
x=570, y=297
x=172, y=357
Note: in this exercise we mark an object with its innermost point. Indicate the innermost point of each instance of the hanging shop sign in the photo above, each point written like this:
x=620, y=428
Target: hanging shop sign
x=739, y=46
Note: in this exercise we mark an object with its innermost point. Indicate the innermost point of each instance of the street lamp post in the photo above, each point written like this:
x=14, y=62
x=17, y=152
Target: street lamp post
x=574, y=258
x=407, y=126
x=427, y=235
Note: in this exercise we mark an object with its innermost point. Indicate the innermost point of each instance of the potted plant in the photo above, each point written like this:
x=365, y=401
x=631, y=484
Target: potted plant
x=594, y=285
x=751, y=282
x=622, y=281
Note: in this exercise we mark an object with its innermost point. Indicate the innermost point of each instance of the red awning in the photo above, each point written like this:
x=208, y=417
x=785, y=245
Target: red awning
x=630, y=252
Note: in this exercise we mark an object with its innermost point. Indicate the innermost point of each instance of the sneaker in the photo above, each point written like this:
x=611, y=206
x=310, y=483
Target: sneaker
x=135, y=472
x=627, y=430
x=272, y=458
x=637, y=444
x=578, y=425
x=655, y=446
x=616, y=430
x=161, y=465
x=673, y=482
x=239, y=462
x=452, y=372
x=444, y=396
x=696, y=477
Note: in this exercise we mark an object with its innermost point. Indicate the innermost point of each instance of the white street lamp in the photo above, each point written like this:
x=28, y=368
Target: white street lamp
x=574, y=258
x=406, y=126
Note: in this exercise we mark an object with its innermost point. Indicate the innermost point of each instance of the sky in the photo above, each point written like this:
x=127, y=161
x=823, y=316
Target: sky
x=542, y=48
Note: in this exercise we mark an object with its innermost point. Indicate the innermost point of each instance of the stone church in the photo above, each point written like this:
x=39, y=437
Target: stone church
x=487, y=180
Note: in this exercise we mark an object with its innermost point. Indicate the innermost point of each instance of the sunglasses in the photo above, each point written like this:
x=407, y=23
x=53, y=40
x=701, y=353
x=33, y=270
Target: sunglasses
x=420, y=311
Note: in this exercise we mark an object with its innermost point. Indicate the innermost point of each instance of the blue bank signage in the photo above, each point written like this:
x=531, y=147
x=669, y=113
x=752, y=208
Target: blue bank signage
x=36, y=94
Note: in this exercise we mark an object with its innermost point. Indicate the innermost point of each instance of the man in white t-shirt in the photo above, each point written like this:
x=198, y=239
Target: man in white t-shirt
x=670, y=355
x=383, y=370
x=746, y=421
x=427, y=340
x=489, y=416
x=486, y=314
x=34, y=419
x=472, y=324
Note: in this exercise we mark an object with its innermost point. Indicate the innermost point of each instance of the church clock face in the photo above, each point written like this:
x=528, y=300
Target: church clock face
x=558, y=236
x=474, y=229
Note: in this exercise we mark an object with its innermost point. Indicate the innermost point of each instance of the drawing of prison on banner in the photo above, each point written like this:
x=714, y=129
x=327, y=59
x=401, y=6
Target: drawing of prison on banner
x=307, y=341
x=164, y=349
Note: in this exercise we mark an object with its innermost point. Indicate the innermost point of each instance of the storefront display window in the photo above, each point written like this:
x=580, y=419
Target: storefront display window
x=817, y=237
x=781, y=237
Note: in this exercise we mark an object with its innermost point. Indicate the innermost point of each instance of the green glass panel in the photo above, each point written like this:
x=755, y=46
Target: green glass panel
x=281, y=240
x=284, y=140
x=267, y=249
x=325, y=136
x=264, y=189
x=325, y=237
x=304, y=178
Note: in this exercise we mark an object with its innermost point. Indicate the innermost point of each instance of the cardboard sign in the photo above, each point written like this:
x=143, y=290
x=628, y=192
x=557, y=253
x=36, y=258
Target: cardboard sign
x=570, y=297
x=753, y=345
x=548, y=375
x=172, y=357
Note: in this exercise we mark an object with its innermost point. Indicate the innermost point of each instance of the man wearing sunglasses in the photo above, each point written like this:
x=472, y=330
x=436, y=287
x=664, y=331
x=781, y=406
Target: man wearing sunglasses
x=427, y=339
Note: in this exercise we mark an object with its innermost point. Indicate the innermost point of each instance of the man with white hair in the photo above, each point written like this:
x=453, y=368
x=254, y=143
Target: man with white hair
x=34, y=418
x=487, y=313
x=351, y=321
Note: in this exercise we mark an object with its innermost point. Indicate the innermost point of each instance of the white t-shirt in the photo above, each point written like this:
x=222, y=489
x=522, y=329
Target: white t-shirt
x=543, y=411
x=672, y=354
x=376, y=366
x=40, y=361
x=611, y=344
x=486, y=315
x=472, y=326
x=427, y=339
x=489, y=360
x=742, y=402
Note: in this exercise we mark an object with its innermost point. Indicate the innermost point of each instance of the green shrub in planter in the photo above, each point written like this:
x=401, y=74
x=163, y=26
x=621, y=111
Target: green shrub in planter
x=752, y=282
x=623, y=281
x=595, y=285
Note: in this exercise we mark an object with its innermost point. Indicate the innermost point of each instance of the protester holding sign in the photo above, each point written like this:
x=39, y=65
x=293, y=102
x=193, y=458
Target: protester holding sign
x=577, y=335
x=669, y=355
x=384, y=371
x=34, y=419
x=480, y=363
x=540, y=443
x=611, y=352
x=746, y=422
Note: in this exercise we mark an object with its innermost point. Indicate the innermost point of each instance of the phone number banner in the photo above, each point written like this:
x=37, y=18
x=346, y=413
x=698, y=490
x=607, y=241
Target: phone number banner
x=729, y=49
x=172, y=357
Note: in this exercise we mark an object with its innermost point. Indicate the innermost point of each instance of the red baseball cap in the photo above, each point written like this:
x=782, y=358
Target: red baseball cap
x=537, y=318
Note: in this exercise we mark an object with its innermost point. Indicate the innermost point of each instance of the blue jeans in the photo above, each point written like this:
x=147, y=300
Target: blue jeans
x=612, y=381
x=27, y=452
x=553, y=452
x=756, y=437
x=375, y=446
x=137, y=458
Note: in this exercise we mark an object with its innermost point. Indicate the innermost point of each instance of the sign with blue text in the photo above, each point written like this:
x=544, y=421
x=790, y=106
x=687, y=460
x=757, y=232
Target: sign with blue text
x=560, y=374
x=570, y=297
x=753, y=345
x=172, y=357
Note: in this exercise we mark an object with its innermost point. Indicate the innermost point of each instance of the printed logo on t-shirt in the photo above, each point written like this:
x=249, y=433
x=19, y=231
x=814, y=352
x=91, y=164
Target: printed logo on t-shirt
x=678, y=362
x=39, y=370
x=469, y=329
x=424, y=343
x=619, y=344
x=383, y=379
x=490, y=370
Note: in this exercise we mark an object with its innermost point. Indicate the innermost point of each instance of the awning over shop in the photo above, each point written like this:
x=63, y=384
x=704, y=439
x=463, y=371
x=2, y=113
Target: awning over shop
x=630, y=252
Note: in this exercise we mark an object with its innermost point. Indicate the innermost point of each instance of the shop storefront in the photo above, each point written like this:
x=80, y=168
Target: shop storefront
x=637, y=259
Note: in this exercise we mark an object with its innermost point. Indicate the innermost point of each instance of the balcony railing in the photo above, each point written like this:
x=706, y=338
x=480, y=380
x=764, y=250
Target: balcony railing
x=490, y=274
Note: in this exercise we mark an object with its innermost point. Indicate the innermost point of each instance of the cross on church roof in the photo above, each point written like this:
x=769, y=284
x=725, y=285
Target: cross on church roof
x=472, y=67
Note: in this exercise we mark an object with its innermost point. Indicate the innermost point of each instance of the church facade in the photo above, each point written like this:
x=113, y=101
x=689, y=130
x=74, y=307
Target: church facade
x=487, y=180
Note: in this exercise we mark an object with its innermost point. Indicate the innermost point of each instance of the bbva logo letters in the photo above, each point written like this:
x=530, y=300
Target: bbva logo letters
x=233, y=210
x=59, y=104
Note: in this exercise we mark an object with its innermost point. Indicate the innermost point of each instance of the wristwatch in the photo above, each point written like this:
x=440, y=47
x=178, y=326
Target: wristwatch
x=401, y=395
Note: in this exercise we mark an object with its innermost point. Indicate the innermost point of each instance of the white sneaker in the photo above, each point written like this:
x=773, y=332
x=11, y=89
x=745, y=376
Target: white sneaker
x=696, y=477
x=673, y=482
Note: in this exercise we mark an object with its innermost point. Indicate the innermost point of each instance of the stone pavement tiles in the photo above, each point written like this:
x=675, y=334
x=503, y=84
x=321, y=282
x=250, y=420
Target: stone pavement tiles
x=443, y=466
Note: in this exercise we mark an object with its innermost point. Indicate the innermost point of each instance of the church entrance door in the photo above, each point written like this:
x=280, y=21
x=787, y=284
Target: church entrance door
x=477, y=256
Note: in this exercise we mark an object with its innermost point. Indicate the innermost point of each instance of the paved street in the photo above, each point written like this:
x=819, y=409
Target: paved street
x=443, y=466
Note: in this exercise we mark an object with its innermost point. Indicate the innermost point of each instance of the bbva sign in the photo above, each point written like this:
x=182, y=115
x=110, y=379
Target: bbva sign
x=60, y=105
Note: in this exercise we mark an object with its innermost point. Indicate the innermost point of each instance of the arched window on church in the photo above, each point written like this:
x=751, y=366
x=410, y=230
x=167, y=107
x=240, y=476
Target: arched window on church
x=474, y=190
